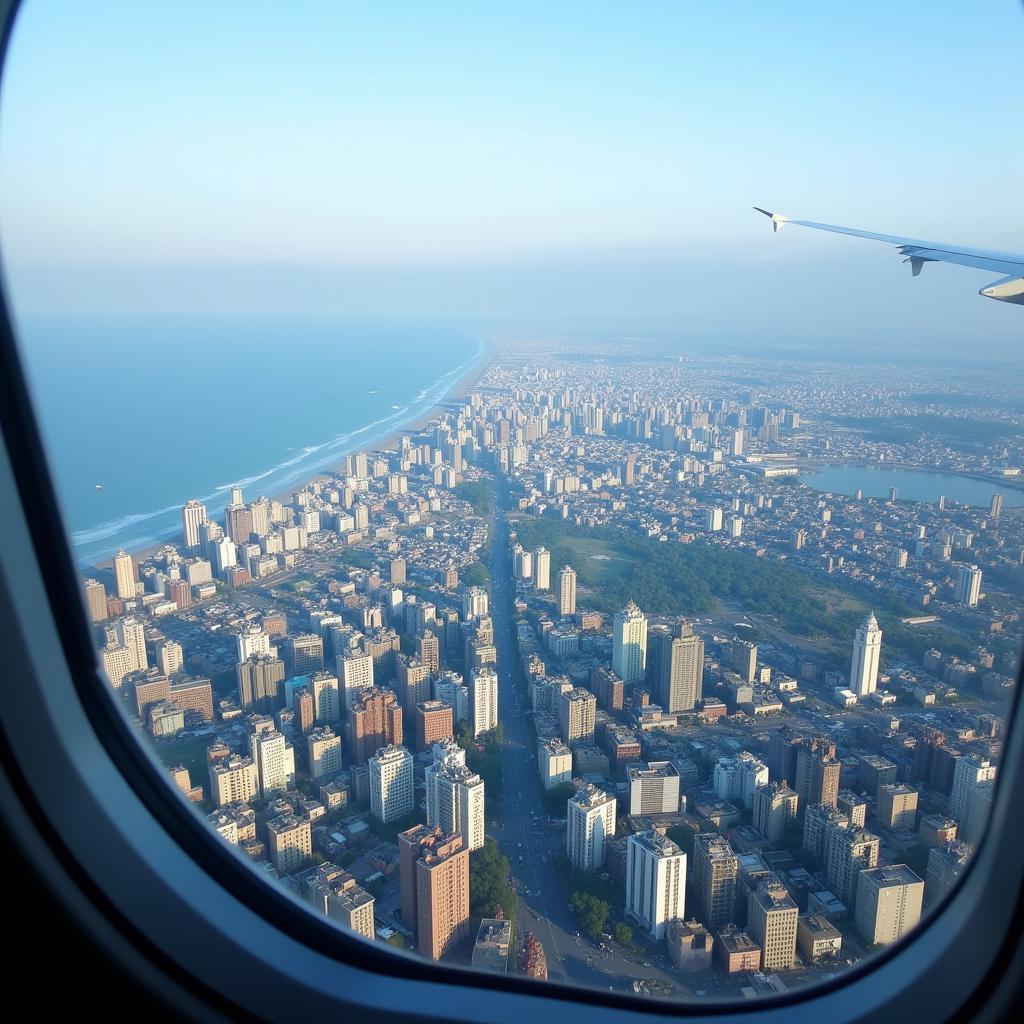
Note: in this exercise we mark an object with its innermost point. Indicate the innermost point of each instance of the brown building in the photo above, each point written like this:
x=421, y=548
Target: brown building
x=622, y=746
x=428, y=650
x=608, y=688
x=238, y=523
x=397, y=570
x=260, y=680
x=375, y=721
x=737, y=951
x=275, y=625
x=817, y=772
x=189, y=694
x=937, y=830
x=434, y=722
x=434, y=873
x=934, y=761
x=180, y=592
x=95, y=600
x=413, y=683
x=305, y=710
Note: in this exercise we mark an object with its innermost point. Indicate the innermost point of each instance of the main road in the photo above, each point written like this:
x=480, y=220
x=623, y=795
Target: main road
x=522, y=827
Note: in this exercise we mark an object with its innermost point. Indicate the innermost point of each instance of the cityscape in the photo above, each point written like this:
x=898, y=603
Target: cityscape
x=640, y=668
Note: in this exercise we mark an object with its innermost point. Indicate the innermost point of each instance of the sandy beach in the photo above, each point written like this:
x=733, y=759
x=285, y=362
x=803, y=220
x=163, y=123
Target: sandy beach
x=459, y=388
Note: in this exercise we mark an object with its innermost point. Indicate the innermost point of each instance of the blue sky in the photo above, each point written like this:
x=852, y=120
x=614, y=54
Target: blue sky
x=481, y=160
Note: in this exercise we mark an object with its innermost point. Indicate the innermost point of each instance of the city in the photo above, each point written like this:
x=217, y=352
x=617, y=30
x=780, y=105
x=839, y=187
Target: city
x=590, y=678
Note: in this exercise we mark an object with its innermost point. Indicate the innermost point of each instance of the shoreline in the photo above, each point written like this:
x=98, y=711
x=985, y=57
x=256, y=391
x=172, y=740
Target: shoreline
x=1011, y=483
x=461, y=386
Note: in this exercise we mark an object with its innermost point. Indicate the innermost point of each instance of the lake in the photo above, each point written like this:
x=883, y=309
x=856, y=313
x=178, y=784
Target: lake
x=911, y=485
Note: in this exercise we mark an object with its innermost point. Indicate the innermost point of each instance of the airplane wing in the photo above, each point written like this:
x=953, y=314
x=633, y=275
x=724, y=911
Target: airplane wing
x=918, y=253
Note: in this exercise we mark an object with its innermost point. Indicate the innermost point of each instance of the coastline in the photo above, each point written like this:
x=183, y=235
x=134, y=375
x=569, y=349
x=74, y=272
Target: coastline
x=461, y=386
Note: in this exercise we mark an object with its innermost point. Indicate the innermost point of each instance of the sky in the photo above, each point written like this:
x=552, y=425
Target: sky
x=579, y=165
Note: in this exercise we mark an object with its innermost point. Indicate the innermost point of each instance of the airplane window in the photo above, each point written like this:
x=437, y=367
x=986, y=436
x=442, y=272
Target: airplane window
x=509, y=546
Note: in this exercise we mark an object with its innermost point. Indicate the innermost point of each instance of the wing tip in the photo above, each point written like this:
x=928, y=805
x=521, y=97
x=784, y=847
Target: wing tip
x=776, y=218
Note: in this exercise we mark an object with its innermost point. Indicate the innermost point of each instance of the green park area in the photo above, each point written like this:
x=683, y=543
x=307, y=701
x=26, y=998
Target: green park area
x=691, y=579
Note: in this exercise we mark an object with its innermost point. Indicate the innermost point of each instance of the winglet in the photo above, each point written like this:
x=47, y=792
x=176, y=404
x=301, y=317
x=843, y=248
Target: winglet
x=776, y=218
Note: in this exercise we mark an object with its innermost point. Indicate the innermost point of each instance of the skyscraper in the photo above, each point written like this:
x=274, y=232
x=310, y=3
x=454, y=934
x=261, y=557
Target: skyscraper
x=193, y=515
x=95, y=600
x=849, y=851
x=590, y=824
x=772, y=922
x=655, y=881
x=542, y=569
x=889, y=901
x=259, y=683
x=867, y=646
x=483, y=700
x=355, y=675
x=775, y=808
x=577, y=716
x=817, y=772
x=391, y=783
x=124, y=575
x=676, y=669
x=968, y=586
x=455, y=800
x=440, y=866
x=969, y=771
x=567, y=591
x=715, y=870
x=374, y=721
x=629, y=644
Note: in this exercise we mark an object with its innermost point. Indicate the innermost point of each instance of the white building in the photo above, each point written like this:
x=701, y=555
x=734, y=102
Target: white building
x=323, y=748
x=591, y=823
x=274, y=758
x=326, y=697
x=567, y=591
x=554, y=761
x=968, y=586
x=629, y=644
x=653, y=788
x=736, y=778
x=713, y=520
x=193, y=515
x=655, y=881
x=391, y=783
x=124, y=574
x=483, y=698
x=451, y=689
x=254, y=642
x=889, y=903
x=455, y=800
x=542, y=569
x=867, y=647
x=522, y=563
x=969, y=771
x=355, y=674
x=474, y=603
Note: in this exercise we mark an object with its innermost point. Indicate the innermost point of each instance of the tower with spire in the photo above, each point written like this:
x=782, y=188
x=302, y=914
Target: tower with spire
x=867, y=647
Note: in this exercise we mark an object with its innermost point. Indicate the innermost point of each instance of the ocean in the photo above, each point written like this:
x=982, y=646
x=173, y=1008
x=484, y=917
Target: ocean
x=159, y=410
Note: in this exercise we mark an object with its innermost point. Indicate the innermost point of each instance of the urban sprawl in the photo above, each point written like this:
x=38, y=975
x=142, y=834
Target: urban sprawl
x=579, y=681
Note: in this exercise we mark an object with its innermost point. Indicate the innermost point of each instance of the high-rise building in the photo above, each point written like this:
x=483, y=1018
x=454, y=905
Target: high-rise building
x=783, y=746
x=567, y=591
x=653, y=788
x=590, y=825
x=889, y=902
x=775, y=808
x=968, y=586
x=169, y=657
x=260, y=681
x=274, y=758
x=355, y=675
x=522, y=563
x=391, y=783
x=305, y=709
x=897, y=806
x=254, y=641
x=655, y=881
x=483, y=700
x=970, y=770
x=629, y=644
x=323, y=749
x=95, y=600
x=713, y=520
x=291, y=843
x=334, y=892
x=124, y=575
x=577, y=715
x=397, y=571
x=474, y=603
x=676, y=669
x=817, y=772
x=715, y=871
x=744, y=659
x=436, y=868
x=193, y=515
x=850, y=851
x=608, y=688
x=428, y=651
x=772, y=923
x=304, y=654
x=995, y=507
x=233, y=779
x=542, y=569
x=867, y=647
x=434, y=722
x=326, y=697
x=238, y=523
x=554, y=759
x=455, y=800
x=946, y=863
x=374, y=721
x=738, y=778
